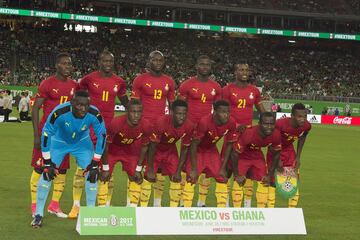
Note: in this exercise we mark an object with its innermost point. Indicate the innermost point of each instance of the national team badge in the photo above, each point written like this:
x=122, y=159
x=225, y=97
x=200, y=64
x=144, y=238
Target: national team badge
x=116, y=88
x=167, y=87
x=213, y=92
x=287, y=182
x=251, y=96
x=72, y=91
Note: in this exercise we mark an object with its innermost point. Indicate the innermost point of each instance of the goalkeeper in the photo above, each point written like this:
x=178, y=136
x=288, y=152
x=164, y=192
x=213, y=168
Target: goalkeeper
x=66, y=131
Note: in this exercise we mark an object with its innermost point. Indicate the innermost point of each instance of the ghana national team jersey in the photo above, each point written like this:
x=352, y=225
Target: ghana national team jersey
x=103, y=91
x=200, y=97
x=153, y=91
x=242, y=101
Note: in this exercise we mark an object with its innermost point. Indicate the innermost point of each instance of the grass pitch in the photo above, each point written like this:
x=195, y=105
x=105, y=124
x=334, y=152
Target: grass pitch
x=330, y=198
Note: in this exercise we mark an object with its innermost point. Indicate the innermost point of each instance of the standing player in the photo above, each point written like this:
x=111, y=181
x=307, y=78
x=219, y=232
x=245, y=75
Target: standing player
x=163, y=154
x=200, y=92
x=155, y=90
x=247, y=156
x=204, y=155
x=294, y=128
x=55, y=90
x=66, y=131
x=242, y=97
x=127, y=142
x=103, y=86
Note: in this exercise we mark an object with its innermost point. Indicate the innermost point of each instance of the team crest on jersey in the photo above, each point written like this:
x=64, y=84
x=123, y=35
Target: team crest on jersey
x=72, y=91
x=96, y=85
x=39, y=162
x=167, y=87
x=55, y=90
x=116, y=88
x=251, y=96
x=195, y=89
x=83, y=128
x=139, y=136
x=213, y=92
x=148, y=84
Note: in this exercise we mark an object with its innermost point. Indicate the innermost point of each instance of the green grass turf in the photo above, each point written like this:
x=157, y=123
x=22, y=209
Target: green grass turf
x=329, y=188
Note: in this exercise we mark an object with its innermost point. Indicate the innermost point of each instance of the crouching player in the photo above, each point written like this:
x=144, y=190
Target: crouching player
x=247, y=156
x=66, y=131
x=204, y=155
x=291, y=128
x=163, y=153
x=127, y=142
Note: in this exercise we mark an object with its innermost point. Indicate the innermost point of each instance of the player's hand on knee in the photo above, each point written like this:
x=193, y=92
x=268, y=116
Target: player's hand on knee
x=138, y=178
x=93, y=170
x=150, y=175
x=49, y=170
x=266, y=180
x=176, y=177
x=105, y=176
x=193, y=176
x=240, y=180
x=223, y=174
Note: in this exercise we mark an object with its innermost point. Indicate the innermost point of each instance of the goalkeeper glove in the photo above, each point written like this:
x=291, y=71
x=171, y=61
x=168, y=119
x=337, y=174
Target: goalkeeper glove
x=93, y=169
x=49, y=170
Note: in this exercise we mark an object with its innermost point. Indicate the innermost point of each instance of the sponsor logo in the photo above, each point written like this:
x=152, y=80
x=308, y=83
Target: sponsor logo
x=55, y=90
x=96, y=85
x=345, y=120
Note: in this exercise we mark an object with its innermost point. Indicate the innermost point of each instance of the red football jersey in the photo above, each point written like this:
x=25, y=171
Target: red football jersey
x=103, y=92
x=200, y=97
x=290, y=134
x=55, y=92
x=153, y=92
x=250, y=143
x=242, y=101
x=120, y=134
x=209, y=133
x=166, y=135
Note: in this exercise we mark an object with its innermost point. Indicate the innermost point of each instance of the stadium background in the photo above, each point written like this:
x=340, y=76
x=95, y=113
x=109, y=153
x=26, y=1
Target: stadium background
x=287, y=68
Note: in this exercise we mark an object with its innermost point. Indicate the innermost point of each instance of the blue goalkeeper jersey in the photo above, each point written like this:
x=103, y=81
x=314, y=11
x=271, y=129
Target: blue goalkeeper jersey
x=62, y=125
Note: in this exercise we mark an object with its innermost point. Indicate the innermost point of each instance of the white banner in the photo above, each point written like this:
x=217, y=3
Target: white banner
x=312, y=118
x=219, y=221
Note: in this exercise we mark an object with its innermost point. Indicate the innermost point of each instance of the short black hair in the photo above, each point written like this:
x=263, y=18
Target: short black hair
x=8, y=91
x=236, y=65
x=81, y=93
x=105, y=52
x=220, y=103
x=133, y=101
x=178, y=103
x=201, y=57
x=266, y=114
x=297, y=106
x=62, y=55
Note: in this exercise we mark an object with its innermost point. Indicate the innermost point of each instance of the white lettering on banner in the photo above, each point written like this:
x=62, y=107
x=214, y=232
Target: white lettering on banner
x=235, y=29
x=272, y=32
x=47, y=14
x=162, y=24
x=124, y=21
x=308, y=34
x=219, y=221
x=340, y=120
x=199, y=27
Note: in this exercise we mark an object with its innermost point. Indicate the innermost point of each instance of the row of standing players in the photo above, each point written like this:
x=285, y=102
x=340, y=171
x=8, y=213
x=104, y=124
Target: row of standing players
x=199, y=123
